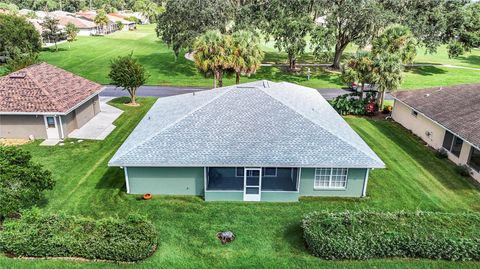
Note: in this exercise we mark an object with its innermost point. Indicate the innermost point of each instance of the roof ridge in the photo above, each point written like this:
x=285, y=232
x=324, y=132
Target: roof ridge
x=226, y=89
x=42, y=88
x=301, y=114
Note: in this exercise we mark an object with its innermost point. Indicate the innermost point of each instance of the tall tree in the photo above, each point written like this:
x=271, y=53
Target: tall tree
x=288, y=22
x=184, y=20
x=359, y=69
x=246, y=54
x=71, y=30
x=51, y=31
x=101, y=20
x=347, y=21
x=18, y=35
x=387, y=74
x=213, y=54
x=126, y=72
x=396, y=39
x=148, y=9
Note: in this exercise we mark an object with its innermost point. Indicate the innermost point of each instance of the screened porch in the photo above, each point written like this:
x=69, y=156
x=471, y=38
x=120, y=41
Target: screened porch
x=268, y=178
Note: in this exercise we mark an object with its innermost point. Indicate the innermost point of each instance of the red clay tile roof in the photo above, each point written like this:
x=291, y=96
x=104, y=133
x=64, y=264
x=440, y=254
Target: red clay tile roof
x=457, y=108
x=44, y=88
x=80, y=23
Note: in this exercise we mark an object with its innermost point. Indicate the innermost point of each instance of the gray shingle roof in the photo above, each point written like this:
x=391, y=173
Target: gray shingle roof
x=454, y=107
x=253, y=124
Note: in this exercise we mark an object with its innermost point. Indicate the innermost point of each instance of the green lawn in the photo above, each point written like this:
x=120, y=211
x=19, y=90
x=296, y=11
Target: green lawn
x=90, y=57
x=268, y=234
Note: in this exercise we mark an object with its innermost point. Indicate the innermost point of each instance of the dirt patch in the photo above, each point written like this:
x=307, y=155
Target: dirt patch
x=130, y=104
x=13, y=142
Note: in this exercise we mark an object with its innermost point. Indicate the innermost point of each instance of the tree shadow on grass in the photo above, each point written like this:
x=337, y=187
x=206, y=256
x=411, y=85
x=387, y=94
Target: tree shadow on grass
x=425, y=70
x=293, y=235
x=298, y=77
x=52, y=49
x=471, y=59
x=165, y=64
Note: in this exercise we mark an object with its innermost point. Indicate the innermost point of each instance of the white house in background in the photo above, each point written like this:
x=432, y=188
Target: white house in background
x=86, y=27
x=127, y=25
x=444, y=117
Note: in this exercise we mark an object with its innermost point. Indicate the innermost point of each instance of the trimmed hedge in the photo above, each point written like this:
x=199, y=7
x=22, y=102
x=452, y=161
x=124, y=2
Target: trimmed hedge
x=367, y=234
x=58, y=235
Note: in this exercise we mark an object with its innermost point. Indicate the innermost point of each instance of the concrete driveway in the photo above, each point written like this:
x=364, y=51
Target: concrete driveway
x=100, y=126
x=163, y=91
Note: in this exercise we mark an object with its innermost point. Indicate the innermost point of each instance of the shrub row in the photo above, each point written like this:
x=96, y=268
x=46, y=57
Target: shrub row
x=38, y=234
x=366, y=234
x=351, y=104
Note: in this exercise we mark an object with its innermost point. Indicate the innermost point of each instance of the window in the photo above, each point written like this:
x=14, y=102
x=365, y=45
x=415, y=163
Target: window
x=414, y=113
x=452, y=143
x=50, y=122
x=239, y=172
x=330, y=178
x=269, y=171
x=474, y=160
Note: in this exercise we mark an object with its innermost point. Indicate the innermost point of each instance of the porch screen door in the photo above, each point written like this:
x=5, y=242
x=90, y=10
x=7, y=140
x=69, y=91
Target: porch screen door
x=252, y=184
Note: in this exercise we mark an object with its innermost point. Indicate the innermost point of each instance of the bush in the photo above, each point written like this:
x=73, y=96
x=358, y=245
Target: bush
x=366, y=235
x=38, y=234
x=441, y=154
x=350, y=104
x=387, y=109
x=463, y=170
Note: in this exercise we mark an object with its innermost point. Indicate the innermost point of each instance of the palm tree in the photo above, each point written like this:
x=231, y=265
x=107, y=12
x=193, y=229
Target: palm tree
x=387, y=74
x=359, y=69
x=101, y=19
x=213, y=54
x=247, y=55
x=396, y=39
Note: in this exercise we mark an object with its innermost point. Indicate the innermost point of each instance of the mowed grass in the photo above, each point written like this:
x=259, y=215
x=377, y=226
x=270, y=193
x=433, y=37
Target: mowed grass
x=90, y=57
x=268, y=234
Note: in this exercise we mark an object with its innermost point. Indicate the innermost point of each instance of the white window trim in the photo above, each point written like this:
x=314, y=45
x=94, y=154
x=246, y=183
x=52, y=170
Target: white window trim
x=266, y=175
x=329, y=187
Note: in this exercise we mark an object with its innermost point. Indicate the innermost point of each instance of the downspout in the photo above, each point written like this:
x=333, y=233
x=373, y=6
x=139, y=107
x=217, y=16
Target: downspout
x=365, y=182
x=126, y=179
x=61, y=127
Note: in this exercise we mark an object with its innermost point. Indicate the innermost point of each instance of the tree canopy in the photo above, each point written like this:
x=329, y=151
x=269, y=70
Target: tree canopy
x=22, y=181
x=51, y=31
x=126, y=72
x=247, y=54
x=18, y=35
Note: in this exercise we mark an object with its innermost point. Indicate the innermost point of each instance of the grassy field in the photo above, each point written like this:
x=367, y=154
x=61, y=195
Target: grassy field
x=90, y=57
x=268, y=234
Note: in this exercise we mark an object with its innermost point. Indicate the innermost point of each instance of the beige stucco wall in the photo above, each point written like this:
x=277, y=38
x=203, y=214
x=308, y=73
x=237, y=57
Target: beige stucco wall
x=87, y=111
x=421, y=125
x=69, y=123
x=22, y=126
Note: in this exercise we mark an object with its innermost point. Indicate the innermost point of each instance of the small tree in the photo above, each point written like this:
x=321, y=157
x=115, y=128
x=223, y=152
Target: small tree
x=126, y=72
x=71, y=30
x=398, y=40
x=101, y=20
x=247, y=55
x=51, y=31
x=119, y=25
x=213, y=54
x=22, y=181
x=359, y=69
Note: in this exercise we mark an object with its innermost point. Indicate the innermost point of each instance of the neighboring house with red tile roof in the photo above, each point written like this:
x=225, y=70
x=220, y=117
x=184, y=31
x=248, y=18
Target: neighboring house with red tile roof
x=86, y=27
x=444, y=117
x=46, y=102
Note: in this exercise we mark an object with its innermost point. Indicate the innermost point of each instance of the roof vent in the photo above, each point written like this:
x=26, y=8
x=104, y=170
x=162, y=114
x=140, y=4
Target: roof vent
x=17, y=75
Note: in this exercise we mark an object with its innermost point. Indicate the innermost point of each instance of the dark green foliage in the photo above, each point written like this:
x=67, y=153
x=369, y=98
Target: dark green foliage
x=351, y=104
x=16, y=34
x=126, y=72
x=463, y=170
x=22, y=181
x=51, y=31
x=441, y=154
x=39, y=234
x=17, y=61
x=369, y=234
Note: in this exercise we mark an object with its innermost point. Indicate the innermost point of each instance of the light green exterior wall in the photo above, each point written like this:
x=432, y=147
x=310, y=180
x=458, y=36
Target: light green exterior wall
x=356, y=177
x=223, y=196
x=190, y=181
x=166, y=180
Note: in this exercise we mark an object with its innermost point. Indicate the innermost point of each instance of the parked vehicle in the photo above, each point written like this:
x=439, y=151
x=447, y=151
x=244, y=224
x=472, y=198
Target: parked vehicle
x=368, y=87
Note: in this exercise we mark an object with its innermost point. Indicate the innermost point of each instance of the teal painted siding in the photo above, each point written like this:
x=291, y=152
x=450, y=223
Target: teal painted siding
x=279, y=196
x=166, y=180
x=223, y=196
x=356, y=177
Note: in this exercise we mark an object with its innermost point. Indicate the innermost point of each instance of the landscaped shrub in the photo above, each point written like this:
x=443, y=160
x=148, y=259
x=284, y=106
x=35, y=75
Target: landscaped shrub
x=441, y=154
x=366, y=234
x=38, y=234
x=463, y=170
x=350, y=104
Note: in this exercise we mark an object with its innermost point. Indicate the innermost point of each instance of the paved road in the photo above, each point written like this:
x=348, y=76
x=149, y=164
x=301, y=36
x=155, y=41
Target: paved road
x=163, y=91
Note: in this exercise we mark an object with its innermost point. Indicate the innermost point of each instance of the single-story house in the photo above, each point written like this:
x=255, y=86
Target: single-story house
x=85, y=27
x=45, y=102
x=127, y=25
x=445, y=118
x=259, y=141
